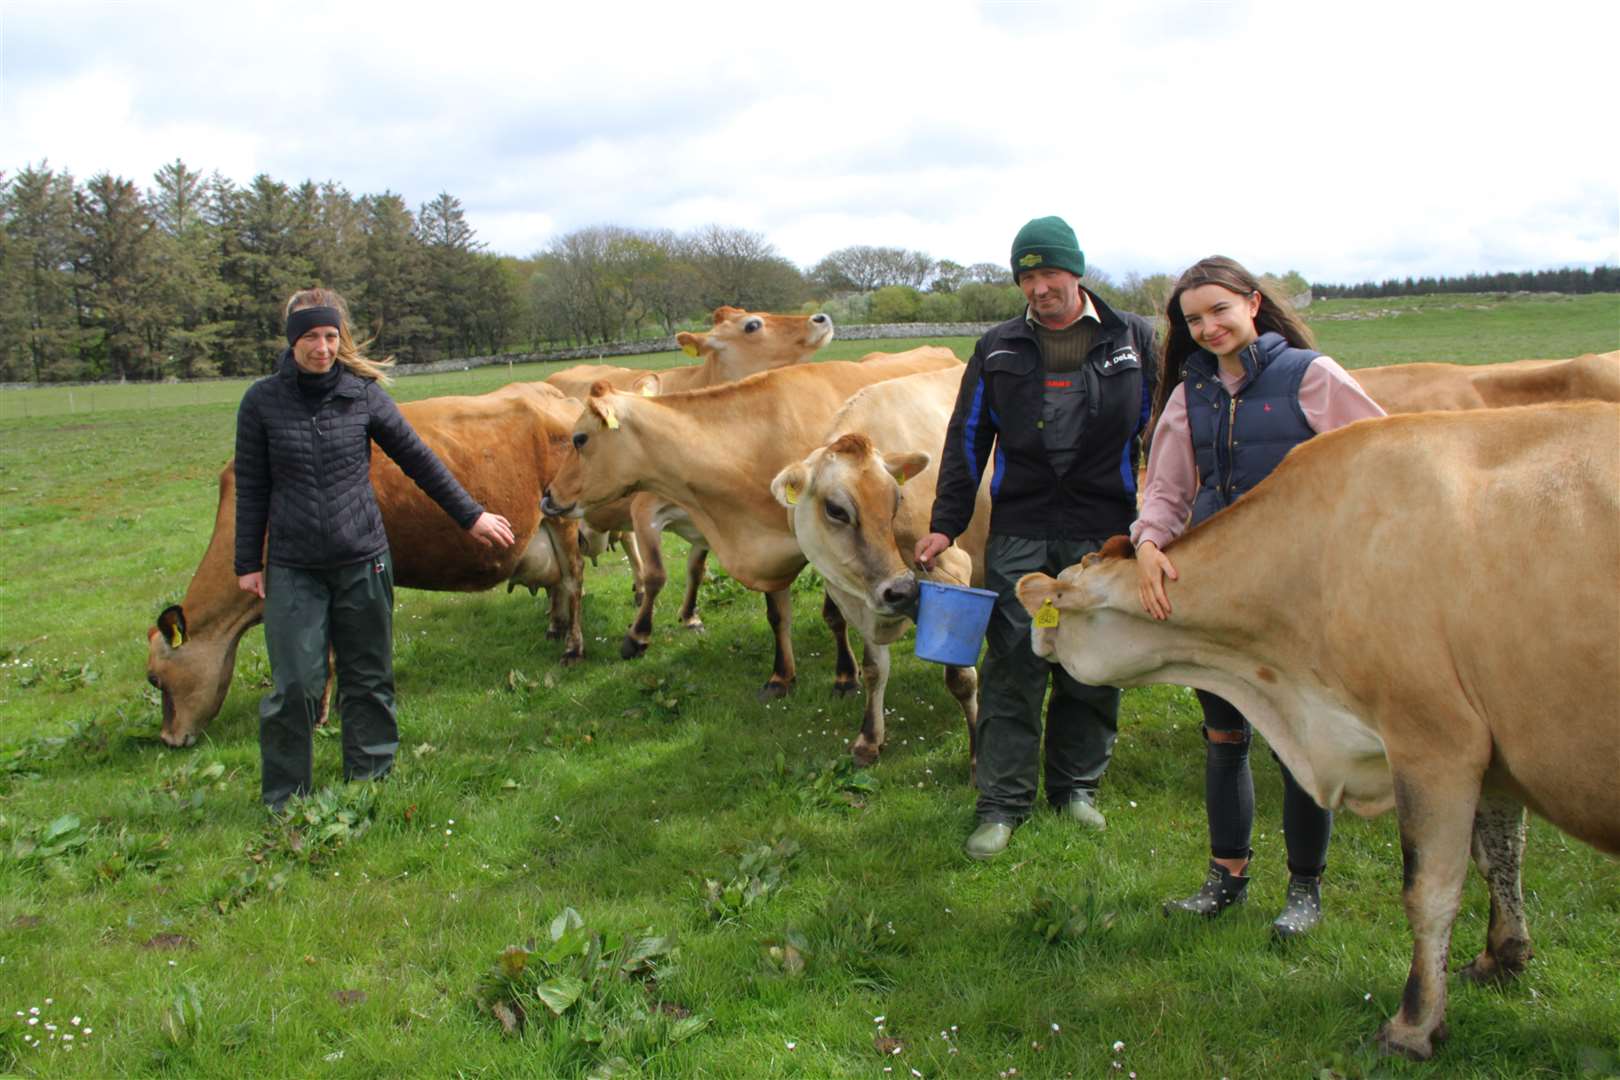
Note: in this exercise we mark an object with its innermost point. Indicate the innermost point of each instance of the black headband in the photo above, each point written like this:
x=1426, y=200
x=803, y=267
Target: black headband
x=306, y=319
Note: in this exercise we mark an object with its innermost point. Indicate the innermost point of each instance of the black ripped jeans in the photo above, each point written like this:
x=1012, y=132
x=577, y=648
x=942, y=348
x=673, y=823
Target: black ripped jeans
x=1229, y=798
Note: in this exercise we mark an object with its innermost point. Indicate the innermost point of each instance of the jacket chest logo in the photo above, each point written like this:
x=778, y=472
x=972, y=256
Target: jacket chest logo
x=1127, y=355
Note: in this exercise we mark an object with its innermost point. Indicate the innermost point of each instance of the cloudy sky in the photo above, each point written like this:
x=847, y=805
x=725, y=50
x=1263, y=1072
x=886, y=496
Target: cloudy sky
x=1346, y=141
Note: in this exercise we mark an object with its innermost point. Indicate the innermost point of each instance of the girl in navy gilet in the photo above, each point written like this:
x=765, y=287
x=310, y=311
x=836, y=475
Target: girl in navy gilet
x=1239, y=386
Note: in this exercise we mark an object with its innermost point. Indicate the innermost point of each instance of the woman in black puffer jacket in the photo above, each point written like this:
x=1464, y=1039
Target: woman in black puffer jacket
x=303, y=469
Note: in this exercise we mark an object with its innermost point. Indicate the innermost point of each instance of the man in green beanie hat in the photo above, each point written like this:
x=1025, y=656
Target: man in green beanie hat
x=1059, y=396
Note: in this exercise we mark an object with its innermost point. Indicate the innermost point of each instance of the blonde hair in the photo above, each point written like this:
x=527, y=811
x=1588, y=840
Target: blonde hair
x=350, y=354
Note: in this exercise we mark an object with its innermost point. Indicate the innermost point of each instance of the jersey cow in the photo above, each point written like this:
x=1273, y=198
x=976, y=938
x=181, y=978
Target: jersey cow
x=715, y=453
x=1417, y=611
x=740, y=343
x=1404, y=388
x=857, y=507
x=502, y=446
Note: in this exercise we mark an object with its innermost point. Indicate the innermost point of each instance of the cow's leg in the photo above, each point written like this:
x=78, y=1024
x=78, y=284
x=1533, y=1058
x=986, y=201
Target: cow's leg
x=844, y=683
x=653, y=577
x=568, y=594
x=779, y=613
x=875, y=675
x=963, y=683
x=632, y=559
x=1499, y=854
x=1435, y=803
x=697, y=563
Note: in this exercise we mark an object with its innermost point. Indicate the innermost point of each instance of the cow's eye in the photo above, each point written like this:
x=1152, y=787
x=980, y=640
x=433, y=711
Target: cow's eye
x=579, y=440
x=752, y=325
x=836, y=513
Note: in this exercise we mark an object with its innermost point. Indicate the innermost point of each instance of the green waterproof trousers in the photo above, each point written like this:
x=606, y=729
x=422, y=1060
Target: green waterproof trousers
x=349, y=610
x=1082, y=721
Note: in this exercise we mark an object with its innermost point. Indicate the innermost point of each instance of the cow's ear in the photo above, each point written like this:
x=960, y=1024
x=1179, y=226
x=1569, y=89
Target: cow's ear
x=647, y=385
x=691, y=344
x=172, y=625
x=1116, y=547
x=904, y=467
x=1035, y=590
x=789, y=485
x=601, y=404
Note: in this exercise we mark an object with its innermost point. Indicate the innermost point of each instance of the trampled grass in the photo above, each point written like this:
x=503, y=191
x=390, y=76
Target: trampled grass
x=133, y=895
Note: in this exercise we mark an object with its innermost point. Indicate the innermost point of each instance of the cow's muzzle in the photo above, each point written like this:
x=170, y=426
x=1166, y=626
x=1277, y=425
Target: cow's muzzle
x=551, y=508
x=897, y=595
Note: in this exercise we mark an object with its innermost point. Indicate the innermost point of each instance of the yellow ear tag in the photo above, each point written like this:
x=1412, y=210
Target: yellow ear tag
x=900, y=481
x=689, y=349
x=647, y=389
x=612, y=422
x=792, y=494
x=174, y=637
x=1046, y=617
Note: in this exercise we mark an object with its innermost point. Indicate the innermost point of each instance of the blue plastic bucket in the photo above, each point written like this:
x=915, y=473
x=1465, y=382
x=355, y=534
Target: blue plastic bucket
x=951, y=620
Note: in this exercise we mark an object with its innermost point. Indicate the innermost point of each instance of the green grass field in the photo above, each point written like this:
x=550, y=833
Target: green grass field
x=144, y=896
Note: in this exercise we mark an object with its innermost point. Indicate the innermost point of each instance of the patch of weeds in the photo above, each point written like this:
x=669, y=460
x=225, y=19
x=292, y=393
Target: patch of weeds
x=40, y=1029
x=1058, y=919
x=720, y=588
x=143, y=853
x=25, y=761
x=48, y=848
x=761, y=872
x=787, y=953
x=253, y=671
x=241, y=887
x=592, y=995
x=189, y=782
x=314, y=826
x=57, y=676
x=182, y=1018
x=833, y=784
x=852, y=938
x=662, y=699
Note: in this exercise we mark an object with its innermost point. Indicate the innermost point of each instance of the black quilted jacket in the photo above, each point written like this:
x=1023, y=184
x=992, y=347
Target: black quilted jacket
x=310, y=476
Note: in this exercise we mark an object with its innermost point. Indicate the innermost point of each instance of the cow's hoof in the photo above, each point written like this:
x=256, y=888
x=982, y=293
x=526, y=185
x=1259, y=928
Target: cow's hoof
x=1487, y=970
x=1408, y=1042
x=572, y=657
x=553, y=633
x=865, y=754
x=846, y=687
x=695, y=624
x=775, y=689
x=630, y=648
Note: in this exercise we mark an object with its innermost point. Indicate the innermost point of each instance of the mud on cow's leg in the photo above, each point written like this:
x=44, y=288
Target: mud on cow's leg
x=963, y=683
x=1499, y=854
x=875, y=675
x=697, y=564
x=844, y=683
x=779, y=613
x=1436, y=819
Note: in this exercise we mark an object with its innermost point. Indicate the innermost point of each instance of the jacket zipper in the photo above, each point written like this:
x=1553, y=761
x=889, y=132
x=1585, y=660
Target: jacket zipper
x=320, y=468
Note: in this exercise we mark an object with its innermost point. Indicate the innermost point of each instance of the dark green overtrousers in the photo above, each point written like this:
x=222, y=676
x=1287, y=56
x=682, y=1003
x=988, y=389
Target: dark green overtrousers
x=1081, y=721
x=352, y=608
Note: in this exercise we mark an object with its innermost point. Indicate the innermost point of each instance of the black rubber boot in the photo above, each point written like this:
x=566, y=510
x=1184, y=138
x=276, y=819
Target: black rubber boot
x=1221, y=889
x=1302, y=908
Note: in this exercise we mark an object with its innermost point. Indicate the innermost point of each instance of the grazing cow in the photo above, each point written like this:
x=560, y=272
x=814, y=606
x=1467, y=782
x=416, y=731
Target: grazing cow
x=739, y=344
x=858, y=506
x=1404, y=388
x=1418, y=611
x=502, y=447
x=715, y=452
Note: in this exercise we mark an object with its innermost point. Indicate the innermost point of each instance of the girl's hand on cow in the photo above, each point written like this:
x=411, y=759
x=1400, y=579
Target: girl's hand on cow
x=252, y=583
x=492, y=530
x=1152, y=567
x=929, y=547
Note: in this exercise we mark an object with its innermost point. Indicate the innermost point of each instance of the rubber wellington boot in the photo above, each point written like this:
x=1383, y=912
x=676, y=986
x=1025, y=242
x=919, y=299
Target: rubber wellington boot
x=1302, y=908
x=1221, y=889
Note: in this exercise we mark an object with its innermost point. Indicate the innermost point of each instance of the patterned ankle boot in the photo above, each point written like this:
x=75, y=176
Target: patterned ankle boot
x=1221, y=889
x=1302, y=908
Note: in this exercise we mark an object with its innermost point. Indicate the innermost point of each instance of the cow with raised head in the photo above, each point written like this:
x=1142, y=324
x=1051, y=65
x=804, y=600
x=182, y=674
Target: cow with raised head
x=740, y=343
x=715, y=452
x=858, y=505
x=1422, y=612
x=503, y=447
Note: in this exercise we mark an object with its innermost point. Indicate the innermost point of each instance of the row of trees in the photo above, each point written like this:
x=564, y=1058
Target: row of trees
x=1566, y=280
x=102, y=280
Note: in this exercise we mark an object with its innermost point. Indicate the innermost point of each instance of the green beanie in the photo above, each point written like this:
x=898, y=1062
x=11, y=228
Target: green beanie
x=1047, y=241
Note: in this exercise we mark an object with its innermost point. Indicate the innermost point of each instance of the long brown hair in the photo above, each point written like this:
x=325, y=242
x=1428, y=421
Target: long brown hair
x=350, y=354
x=1275, y=314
